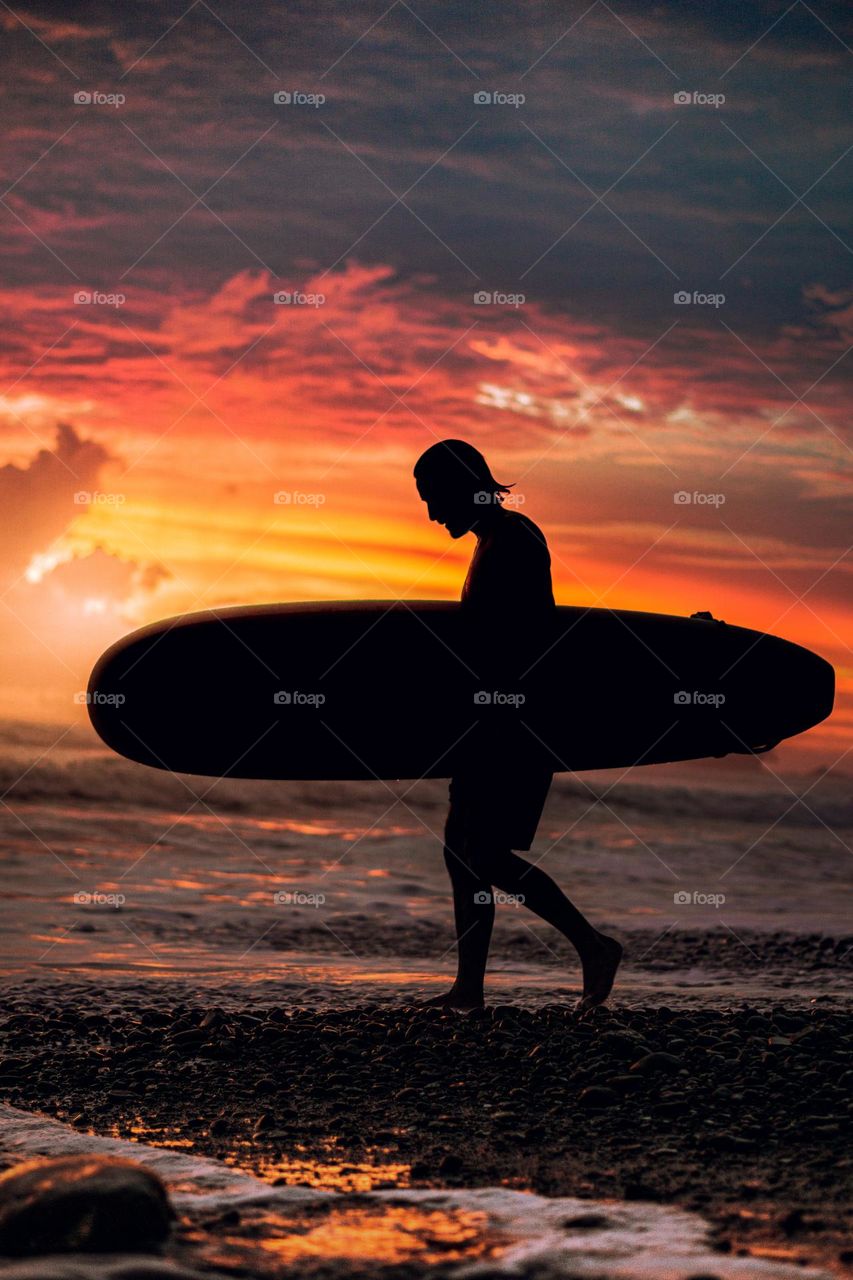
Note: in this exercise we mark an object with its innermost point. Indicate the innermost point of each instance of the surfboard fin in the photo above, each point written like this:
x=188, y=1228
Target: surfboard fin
x=707, y=616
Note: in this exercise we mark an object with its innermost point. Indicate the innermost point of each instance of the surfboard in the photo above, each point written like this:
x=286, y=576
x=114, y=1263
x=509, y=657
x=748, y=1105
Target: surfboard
x=404, y=690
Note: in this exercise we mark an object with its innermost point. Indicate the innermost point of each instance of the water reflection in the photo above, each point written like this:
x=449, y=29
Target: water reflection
x=332, y=1173
x=387, y=1235
x=327, y=1175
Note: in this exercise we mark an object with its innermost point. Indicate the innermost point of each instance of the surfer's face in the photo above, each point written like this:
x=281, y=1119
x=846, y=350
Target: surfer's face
x=452, y=508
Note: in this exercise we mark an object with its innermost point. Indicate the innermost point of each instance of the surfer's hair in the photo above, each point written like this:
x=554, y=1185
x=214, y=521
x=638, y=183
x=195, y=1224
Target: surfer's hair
x=460, y=462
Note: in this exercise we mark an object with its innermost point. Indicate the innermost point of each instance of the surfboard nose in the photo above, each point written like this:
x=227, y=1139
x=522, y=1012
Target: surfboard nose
x=791, y=689
x=810, y=689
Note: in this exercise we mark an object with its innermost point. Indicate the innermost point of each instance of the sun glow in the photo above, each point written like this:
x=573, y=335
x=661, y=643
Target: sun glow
x=43, y=563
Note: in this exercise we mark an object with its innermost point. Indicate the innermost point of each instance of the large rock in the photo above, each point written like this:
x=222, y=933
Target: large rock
x=93, y=1204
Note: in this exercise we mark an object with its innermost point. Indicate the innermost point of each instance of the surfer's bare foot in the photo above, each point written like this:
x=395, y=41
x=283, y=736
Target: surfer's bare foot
x=456, y=998
x=599, y=972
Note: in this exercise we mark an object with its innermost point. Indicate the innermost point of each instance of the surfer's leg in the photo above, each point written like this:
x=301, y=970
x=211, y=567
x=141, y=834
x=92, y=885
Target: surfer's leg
x=474, y=914
x=514, y=874
x=599, y=954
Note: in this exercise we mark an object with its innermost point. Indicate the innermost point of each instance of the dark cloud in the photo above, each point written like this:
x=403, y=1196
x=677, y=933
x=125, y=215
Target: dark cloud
x=40, y=502
x=689, y=208
x=37, y=500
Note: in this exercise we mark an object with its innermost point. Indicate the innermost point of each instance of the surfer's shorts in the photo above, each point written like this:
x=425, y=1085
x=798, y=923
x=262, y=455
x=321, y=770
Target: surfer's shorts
x=498, y=809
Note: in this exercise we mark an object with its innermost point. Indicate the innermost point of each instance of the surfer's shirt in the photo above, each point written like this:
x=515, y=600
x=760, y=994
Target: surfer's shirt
x=509, y=599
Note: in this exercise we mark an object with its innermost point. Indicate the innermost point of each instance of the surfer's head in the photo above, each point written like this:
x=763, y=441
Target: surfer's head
x=454, y=480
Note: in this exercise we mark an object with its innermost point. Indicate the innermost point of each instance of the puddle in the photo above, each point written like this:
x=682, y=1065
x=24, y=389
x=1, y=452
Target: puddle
x=153, y=1136
x=387, y=1235
x=344, y=1176
x=332, y=1174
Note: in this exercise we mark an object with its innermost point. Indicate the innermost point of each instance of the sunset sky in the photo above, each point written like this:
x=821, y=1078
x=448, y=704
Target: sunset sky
x=145, y=434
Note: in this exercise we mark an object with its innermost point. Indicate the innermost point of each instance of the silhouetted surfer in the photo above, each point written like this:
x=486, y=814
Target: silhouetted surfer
x=497, y=800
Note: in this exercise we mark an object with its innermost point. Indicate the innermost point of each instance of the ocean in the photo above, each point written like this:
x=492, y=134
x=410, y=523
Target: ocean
x=337, y=891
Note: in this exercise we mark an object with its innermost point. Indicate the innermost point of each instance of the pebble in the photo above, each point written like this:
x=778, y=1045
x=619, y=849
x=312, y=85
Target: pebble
x=667, y=1062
